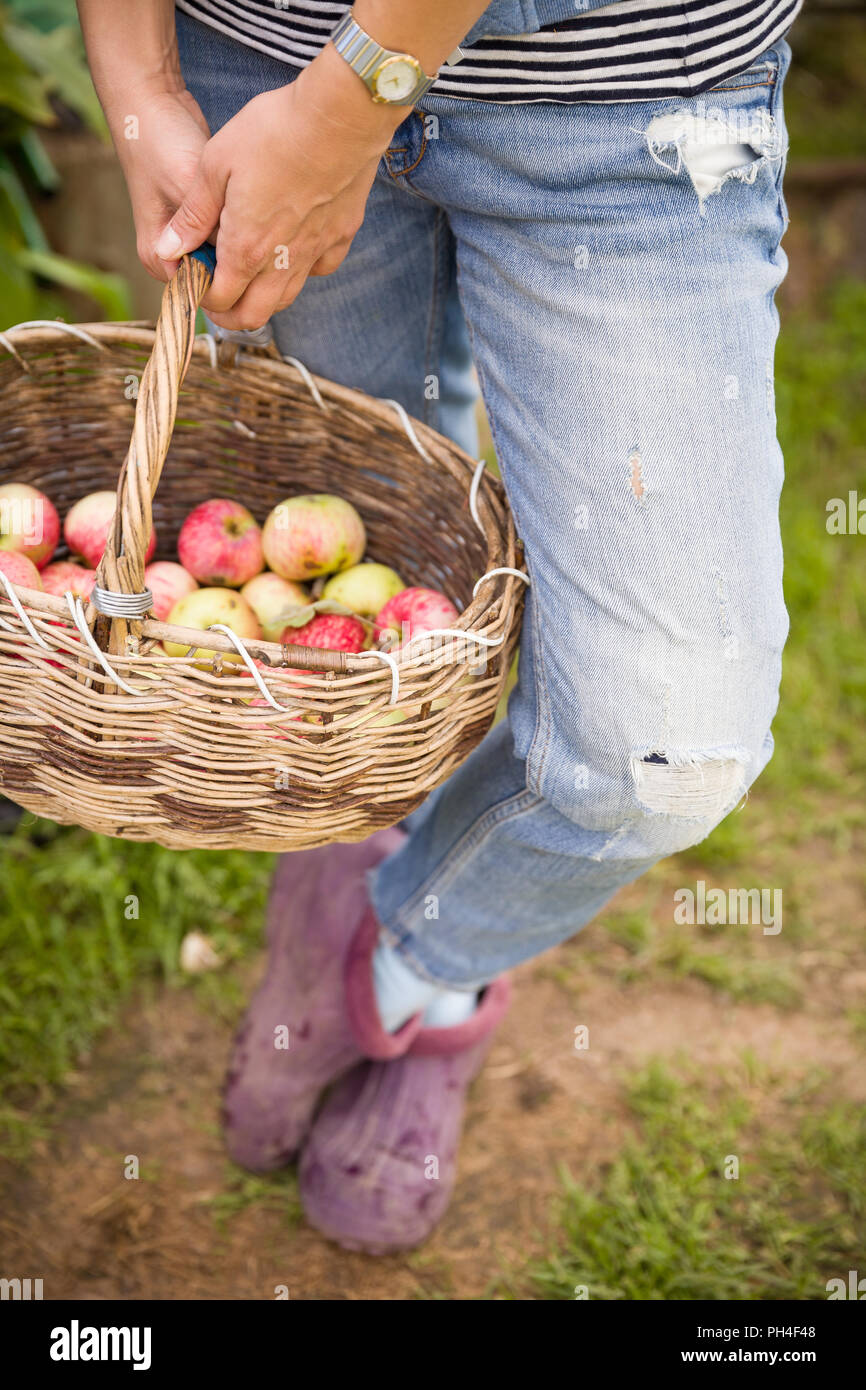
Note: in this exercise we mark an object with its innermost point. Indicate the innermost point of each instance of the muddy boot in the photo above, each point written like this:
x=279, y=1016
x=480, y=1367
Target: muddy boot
x=378, y=1169
x=315, y=1015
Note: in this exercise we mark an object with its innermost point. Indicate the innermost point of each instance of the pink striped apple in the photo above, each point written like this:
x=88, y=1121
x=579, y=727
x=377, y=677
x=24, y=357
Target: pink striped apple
x=19, y=571
x=411, y=612
x=88, y=523
x=272, y=599
x=167, y=582
x=29, y=524
x=64, y=577
x=313, y=534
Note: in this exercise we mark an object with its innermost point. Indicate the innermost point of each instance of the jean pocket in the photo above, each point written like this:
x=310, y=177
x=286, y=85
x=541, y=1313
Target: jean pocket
x=764, y=73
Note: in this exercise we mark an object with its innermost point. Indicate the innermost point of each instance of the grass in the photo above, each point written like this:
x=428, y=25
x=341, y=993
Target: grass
x=72, y=948
x=661, y=1221
x=673, y=1217
x=240, y=1191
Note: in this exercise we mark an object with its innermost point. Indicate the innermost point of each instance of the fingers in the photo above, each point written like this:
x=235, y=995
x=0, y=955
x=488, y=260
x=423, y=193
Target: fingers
x=265, y=296
x=240, y=263
x=147, y=233
x=196, y=218
x=332, y=259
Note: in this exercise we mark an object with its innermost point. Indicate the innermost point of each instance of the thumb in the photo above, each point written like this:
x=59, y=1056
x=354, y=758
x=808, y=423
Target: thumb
x=192, y=224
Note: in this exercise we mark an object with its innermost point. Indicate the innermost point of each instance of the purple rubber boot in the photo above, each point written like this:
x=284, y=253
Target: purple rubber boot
x=378, y=1169
x=317, y=996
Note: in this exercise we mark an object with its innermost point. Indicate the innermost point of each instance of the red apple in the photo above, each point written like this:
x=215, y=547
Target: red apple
x=221, y=543
x=18, y=570
x=331, y=631
x=88, y=523
x=414, y=611
x=65, y=577
x=167, y=582
x=313, y=534
x=29, y=524
x=271, y=599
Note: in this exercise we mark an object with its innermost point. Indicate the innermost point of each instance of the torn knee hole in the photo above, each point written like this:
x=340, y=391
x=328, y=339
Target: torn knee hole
x=714, y=146
x=690, y=785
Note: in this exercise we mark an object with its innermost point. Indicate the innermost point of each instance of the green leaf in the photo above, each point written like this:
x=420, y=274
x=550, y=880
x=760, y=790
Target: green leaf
x=43, y=14
x=21, y=90
x=17, y=292
x=111, y=292
x=298, y=617
x=39, y=166
x=331, y=605
x=58, y=58
x=28, y=225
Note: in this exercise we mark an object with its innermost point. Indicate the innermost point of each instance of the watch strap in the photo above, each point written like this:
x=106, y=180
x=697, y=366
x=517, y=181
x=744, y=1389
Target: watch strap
x=365, y=56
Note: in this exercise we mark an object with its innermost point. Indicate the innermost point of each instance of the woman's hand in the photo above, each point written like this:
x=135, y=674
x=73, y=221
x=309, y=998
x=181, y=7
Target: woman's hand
x=281, y=189
x=160, y=149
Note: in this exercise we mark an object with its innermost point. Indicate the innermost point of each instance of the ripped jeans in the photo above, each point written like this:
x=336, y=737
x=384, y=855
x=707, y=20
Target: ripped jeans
x=610, y=270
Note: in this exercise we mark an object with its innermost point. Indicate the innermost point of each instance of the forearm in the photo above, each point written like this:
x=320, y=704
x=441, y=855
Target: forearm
x=429, y=31
x=131, y=51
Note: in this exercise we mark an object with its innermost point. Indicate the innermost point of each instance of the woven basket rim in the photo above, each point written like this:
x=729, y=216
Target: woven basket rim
x=256, y=362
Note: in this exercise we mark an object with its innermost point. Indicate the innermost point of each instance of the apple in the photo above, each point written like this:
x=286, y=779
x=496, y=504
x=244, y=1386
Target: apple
x=331, y=631
x=221, y=543
x=64, y=577
x=204, y=607
x=18, y=570
x=364, y=588
x=414, y=611
x=271, y=598
x=88, y=523
x=313, y=534
x=167, y=582
x=29, y=524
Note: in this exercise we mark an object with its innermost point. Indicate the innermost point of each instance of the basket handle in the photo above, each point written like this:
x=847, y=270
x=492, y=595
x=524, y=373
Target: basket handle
x=121, y=568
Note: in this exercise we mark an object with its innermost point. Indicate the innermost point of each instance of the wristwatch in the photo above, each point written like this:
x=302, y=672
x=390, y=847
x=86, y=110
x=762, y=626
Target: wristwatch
x=397, y=78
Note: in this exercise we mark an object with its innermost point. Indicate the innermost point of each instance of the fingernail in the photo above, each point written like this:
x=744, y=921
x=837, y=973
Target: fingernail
x=169, y=245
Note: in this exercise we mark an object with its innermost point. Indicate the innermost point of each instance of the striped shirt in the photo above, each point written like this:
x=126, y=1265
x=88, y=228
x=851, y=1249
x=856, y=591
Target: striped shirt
x=632, y=50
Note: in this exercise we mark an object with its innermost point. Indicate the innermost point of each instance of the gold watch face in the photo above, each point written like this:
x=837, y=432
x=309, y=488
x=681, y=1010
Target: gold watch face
x=397, y=78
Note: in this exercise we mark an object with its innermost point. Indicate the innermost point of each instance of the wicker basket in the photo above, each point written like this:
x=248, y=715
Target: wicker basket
x=113, y=734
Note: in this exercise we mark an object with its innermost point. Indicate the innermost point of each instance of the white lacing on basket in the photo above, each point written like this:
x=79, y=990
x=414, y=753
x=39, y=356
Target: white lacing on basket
x=425, y=637
x=311, y=385
x=76, y=608
x=5, y=338
x=407, y=425
x=19, y=609
x=501, y=569
x=248, y=662
x=210, y=343
x=473, y=507
x=473, y=494
x=63, y=327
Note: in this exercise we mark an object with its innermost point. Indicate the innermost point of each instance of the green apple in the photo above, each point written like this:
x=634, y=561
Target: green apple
x=364, y=588
x=201, y=609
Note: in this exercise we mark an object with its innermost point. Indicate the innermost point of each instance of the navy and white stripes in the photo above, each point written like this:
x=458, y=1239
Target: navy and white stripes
x=628, y=51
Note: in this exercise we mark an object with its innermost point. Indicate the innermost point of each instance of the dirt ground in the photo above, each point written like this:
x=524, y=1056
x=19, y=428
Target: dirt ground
x=152, y=1089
